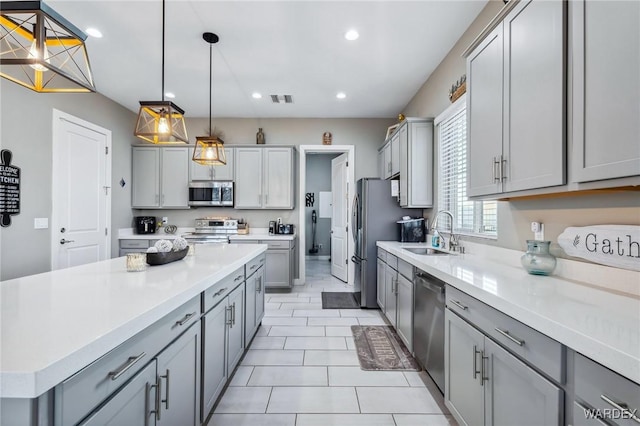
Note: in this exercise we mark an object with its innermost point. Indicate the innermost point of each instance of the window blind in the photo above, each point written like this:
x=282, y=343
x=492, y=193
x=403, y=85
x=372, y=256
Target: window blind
x=471, y=217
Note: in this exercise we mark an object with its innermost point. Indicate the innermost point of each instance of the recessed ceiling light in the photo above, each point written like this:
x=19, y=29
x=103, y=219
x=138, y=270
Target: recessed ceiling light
x=256, y=95
x=351, y=35
x=93, y=32
x=170, y=95
x=341, y=95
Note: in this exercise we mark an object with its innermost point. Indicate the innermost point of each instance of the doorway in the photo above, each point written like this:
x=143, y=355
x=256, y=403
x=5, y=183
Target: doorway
x=344, y=170
x=81, y=192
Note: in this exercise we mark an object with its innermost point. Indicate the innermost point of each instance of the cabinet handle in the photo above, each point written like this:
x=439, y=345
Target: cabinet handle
x=503, y=168
x=227, y=310
x=253, y=267
x=622, y=406
x=482, y=373
x=506, y=334
x=184, y=319
x=157, y=198
x=266, y=199
x=114, y=375
x=495, y=162
x=233, y=314
x=147, y=408
x=166, y=392
x=158, y=388
x=459, y=305
x=259, y=286
x=162, y=199
x=259, y=199
x=219, y=292
x=475, y=363
x=239, y=277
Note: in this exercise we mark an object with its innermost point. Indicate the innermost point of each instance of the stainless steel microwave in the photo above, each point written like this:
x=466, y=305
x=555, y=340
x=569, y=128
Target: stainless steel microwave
x=211, y=193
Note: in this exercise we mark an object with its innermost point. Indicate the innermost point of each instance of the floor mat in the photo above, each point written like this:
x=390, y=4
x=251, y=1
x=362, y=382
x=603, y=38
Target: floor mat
x=380, y=348
x=339, y=300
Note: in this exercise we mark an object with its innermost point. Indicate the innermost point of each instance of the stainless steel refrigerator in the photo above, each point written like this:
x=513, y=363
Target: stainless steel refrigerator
x=375, y=213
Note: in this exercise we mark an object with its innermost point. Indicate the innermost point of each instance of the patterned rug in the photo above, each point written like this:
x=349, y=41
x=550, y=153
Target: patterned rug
x=380, y=348
x=339, y=300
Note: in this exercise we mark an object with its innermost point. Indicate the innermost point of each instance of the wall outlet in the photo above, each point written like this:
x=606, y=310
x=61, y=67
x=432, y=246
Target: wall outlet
x=538, y=230
x=320, y=246
x=40, y=223
x=165, y=220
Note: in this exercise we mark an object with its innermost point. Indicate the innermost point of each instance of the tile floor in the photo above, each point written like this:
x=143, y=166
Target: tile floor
x=301, y=369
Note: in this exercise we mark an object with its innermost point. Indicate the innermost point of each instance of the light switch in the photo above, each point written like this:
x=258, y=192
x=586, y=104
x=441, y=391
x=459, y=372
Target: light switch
x=40, y=223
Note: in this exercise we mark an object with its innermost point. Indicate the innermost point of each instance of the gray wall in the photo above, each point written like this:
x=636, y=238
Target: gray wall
x=318, y=179
x=365, y=134
x=26, y=126
x=514, y=217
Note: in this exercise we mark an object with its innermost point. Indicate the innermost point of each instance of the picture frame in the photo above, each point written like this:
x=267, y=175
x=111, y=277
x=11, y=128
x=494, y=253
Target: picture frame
x=391, y=129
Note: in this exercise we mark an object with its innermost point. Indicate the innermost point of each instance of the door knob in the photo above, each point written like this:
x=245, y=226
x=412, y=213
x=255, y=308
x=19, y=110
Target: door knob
x=63, y=241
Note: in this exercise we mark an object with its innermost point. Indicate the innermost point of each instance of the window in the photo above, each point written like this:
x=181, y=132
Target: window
x=477, y=218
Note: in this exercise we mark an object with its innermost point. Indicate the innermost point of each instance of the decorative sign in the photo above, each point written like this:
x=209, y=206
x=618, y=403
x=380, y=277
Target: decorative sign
x=9, y=188
x=326, y=138
x=612, y=245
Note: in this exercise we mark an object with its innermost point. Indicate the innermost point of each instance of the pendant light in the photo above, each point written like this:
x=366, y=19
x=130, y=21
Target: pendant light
x=162, y=121
x=41, y=50
x=209, y=150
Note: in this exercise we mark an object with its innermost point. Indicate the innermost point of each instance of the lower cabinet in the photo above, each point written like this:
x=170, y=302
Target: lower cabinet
x=223, y=345
x=254, y=302
x=487, y=385
x=380, y=284
x=162, y=393
x=390, y=293
x=279, y=264
x=404, y=314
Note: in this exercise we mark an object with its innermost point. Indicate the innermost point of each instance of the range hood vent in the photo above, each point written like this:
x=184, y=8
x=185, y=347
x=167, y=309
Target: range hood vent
x=280, y=99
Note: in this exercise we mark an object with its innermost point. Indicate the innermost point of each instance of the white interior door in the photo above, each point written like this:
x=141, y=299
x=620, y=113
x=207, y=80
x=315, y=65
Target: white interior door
x=339, y=217
x=81, y=204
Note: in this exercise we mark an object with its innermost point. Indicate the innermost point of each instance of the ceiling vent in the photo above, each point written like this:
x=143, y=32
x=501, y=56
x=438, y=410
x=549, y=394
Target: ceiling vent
x=282, y=99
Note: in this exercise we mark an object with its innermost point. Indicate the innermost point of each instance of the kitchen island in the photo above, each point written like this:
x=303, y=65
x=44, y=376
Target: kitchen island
x=57, y=323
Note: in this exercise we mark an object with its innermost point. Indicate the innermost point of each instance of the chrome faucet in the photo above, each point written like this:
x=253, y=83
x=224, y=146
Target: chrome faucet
x=453, y=238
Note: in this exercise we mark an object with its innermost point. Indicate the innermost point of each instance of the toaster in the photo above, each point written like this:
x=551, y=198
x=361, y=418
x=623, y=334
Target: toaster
x=145, y=224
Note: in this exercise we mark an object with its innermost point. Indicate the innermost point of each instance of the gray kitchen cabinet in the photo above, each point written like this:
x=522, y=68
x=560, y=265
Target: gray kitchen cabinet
x=380, y=283
x=516, y=102
x=132, y=405
x=133, y=246
x=235, y=330
x=254, y=301
x=205, y=173
x=179, y=381
x=395, y=154
x=279, y=263
x=605, y=46
x=416, y=163
x=381, y=164
x=160, y=177
x=264, y=178
x=463, y=392
x=390, y=292
x=404, y=302
x=214, y=367
x=599, y=389
x=386, y=152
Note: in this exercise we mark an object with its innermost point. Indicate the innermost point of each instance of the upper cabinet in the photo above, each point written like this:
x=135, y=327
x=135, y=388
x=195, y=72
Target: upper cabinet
x=605, y=43
x=264, y=178
x=199, y=172
x=416, y=163
x=516, y=101
x=160, y=177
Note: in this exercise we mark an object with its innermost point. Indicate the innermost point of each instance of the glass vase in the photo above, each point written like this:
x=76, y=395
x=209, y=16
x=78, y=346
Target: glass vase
x=537, y=260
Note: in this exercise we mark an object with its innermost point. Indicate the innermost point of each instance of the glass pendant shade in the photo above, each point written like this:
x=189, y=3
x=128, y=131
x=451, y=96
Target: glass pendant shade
x=41, y=50
x=161, y=122
x=209, y=151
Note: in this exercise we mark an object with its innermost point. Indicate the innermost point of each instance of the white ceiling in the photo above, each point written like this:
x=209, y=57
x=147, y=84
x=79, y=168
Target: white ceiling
x=272, y=47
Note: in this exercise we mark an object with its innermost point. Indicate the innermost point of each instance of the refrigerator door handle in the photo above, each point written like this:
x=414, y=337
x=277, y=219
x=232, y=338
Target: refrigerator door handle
x=355, y=260
x=354, y=218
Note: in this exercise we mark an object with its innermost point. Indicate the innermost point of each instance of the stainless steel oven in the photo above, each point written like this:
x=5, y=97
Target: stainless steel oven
x=211, y=193
x=213, y=230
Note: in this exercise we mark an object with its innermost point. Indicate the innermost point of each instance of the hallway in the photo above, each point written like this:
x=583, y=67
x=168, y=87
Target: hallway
x=301, y=369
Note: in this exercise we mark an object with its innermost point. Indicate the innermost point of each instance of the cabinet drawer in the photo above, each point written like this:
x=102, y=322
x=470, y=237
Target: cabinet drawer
x=382, y=255
x=80, y=393
x=392, y=261
x=277, y=244
x=532, y=346
x=134, y=244
x=405, y=269
x=254, y=265
x=214, y=294
x=601, y=388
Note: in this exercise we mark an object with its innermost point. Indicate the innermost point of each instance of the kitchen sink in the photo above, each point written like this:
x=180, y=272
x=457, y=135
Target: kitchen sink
x=424, y=250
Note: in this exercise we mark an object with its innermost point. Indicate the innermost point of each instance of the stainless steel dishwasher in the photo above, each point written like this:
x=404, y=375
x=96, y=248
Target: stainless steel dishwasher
x=428, y=325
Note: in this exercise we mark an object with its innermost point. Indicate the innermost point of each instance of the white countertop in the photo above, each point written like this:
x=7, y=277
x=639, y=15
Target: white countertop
x=601, y=324
x=54, y=324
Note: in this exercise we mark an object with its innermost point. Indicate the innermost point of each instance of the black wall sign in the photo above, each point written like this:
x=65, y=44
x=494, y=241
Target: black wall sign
x=9, y=188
